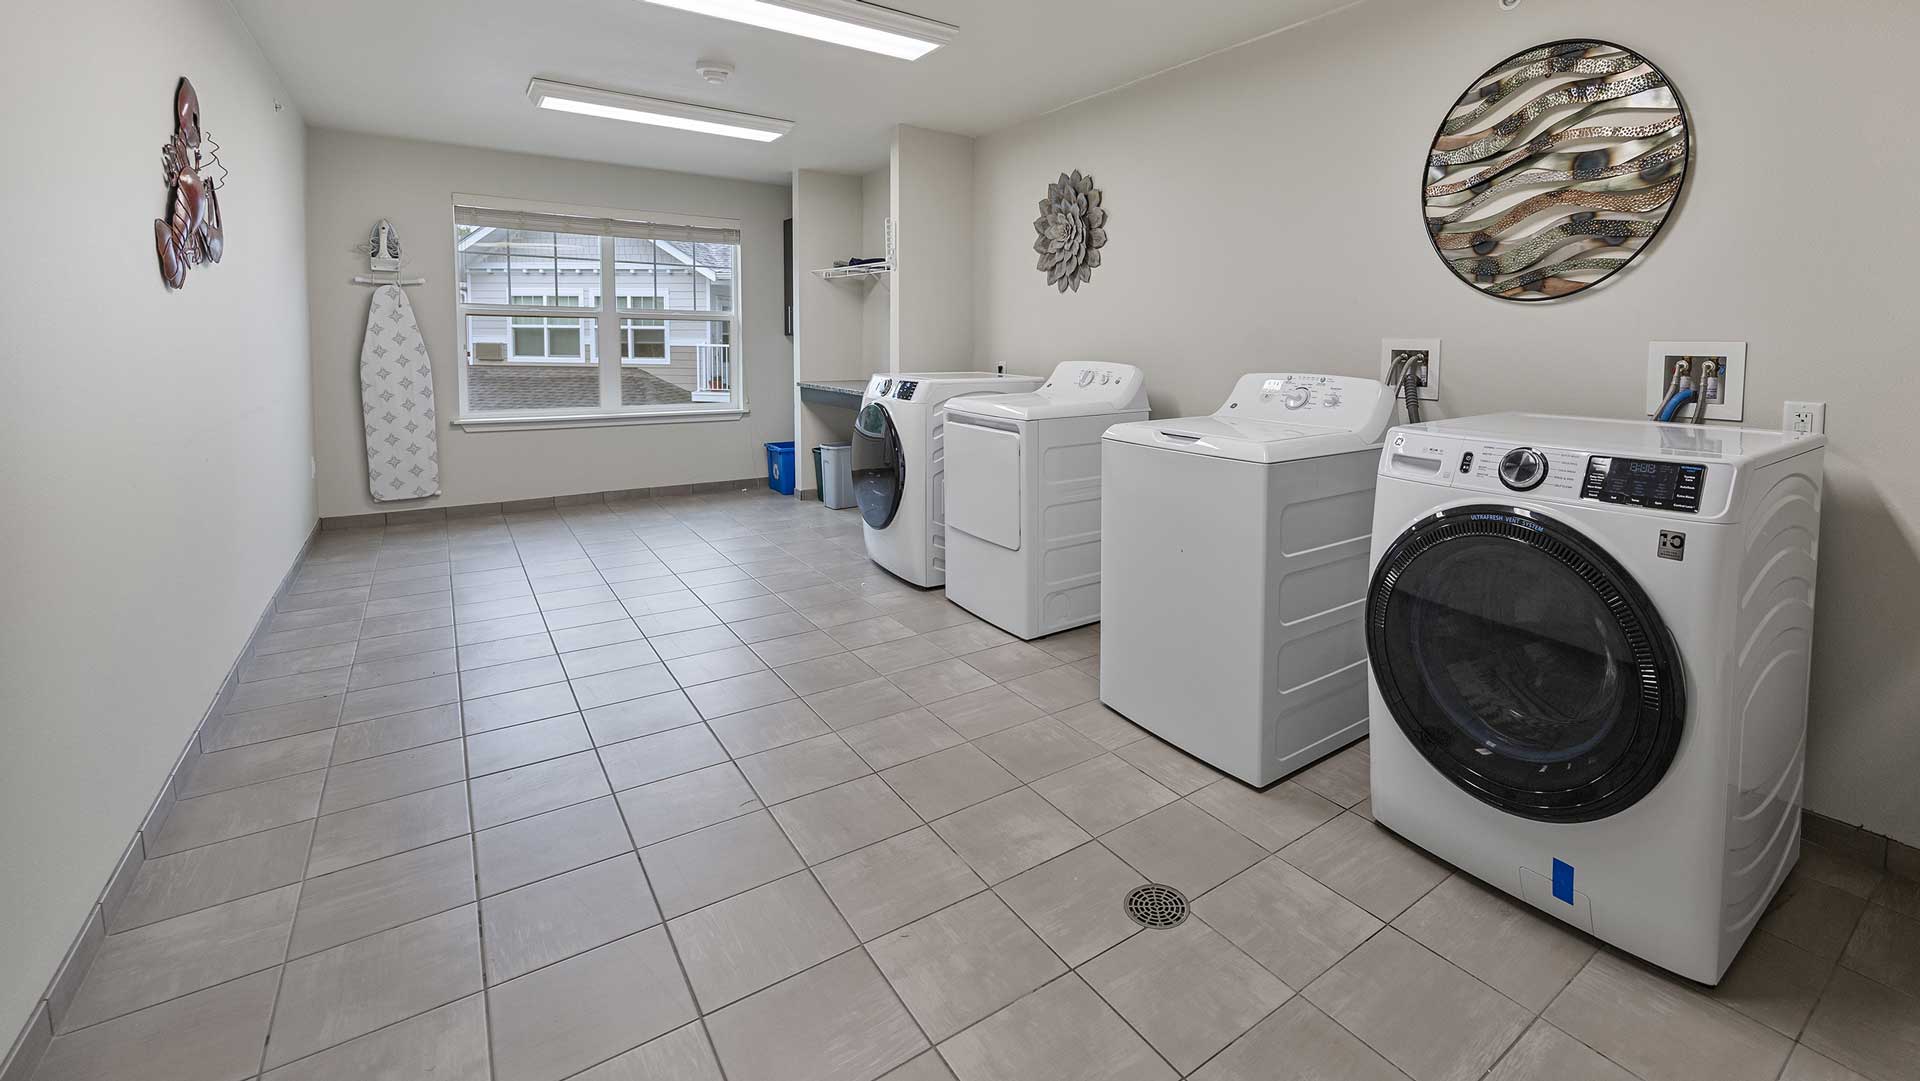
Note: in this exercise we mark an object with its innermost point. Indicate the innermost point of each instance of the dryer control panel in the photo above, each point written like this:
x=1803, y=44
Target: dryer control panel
x=1092, y=380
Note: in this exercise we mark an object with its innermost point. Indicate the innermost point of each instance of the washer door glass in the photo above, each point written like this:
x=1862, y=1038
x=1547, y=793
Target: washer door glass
x=1525, y=664
x=879, y=469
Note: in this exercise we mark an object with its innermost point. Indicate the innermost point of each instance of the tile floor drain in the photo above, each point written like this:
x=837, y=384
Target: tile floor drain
x=1155, y=905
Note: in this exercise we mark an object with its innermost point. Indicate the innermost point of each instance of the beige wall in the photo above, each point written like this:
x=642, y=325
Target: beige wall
x=933, y=290
x=154, y=444
x=354, y=180
x=1265, y=216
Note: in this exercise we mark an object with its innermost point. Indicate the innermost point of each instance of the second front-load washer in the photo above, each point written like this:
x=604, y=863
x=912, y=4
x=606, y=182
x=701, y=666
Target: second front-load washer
x=1023, y=496
x=900, y=462
x=1234, y=569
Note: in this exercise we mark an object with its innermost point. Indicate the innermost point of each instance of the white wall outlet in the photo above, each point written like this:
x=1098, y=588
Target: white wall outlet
x=1730, y=362
x=1426, y=361
x=1804, y=418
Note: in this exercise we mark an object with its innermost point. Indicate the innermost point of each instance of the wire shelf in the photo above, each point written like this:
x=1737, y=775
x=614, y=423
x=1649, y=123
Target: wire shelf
x=864, y=270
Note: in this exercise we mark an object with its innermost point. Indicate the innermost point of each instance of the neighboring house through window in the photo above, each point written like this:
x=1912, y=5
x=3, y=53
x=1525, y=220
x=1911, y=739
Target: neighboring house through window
x=546, y=339
x=515, y=265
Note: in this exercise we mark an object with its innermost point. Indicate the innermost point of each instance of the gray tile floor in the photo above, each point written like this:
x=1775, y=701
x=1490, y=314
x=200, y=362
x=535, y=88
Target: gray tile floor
x=685, y=789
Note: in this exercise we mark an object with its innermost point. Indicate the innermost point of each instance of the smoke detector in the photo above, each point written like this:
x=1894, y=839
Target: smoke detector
x=713, y=71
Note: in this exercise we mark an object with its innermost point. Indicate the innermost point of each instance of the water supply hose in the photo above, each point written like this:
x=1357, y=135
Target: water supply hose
x=1709, y=389
x=1673, y=404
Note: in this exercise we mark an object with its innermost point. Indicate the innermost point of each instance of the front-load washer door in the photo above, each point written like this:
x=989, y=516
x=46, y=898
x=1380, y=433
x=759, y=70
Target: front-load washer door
x=1524, y=663
x=879, y=468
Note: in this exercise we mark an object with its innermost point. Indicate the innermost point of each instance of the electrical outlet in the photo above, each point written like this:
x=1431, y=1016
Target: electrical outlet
x=1426, y=362
x=1730, y=370
x=1804, y=418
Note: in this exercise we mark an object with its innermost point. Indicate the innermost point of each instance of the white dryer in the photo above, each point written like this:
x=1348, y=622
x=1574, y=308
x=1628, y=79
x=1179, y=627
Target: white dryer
x=1023, y=496
x=899, y=465
x=1589, y=644
x=1233, y=570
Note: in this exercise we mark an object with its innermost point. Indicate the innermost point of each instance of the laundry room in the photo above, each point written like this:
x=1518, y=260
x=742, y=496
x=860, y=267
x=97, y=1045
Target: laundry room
x=962, y=540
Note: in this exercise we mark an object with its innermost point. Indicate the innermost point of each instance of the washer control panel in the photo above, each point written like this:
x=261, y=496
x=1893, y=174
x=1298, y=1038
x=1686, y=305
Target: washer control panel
x=1556, y=475
x=1306, y=394
x=1523, y=469
x=1323, y=401
x=1641, y=483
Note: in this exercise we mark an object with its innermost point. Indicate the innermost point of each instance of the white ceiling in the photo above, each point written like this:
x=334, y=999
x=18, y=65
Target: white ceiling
x=456, y=71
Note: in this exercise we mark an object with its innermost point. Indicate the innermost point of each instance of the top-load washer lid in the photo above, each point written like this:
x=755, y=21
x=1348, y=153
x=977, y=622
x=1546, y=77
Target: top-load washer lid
x=1075, y=389
x=1276, y=417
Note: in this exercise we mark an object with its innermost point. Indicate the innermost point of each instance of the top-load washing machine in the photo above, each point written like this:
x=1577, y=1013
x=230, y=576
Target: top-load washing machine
x=1589, y=644
x=1023, y=496
x=899, y=465
x=1233, y=569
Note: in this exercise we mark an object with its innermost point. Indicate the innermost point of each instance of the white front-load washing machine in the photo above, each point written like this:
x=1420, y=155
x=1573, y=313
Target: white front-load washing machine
x=1233, y=570
x=1589, y=646
x=899, y=465
x=1023, y=496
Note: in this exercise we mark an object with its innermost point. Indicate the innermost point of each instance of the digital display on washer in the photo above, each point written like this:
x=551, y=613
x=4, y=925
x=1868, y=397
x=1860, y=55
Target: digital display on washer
x=1641, y=483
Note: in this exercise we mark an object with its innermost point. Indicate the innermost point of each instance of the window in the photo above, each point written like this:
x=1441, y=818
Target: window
x=643, y=341
x=546, y=339
x=524, y=362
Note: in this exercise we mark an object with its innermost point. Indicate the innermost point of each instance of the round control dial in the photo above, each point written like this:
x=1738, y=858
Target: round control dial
x=1298, y=397
x=1523, y=469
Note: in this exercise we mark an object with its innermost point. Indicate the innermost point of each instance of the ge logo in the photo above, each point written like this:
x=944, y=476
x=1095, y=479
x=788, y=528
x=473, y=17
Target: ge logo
x=1673, y=544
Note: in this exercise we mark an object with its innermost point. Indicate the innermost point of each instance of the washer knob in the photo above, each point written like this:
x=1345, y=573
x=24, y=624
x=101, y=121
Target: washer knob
x=1298, y=397
x=1523, y=469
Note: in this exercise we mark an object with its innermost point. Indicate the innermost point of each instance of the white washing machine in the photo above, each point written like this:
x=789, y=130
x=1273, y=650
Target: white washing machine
x=1023, y=497
x=1233, y=570
x=1589, y=644
x=899, y=465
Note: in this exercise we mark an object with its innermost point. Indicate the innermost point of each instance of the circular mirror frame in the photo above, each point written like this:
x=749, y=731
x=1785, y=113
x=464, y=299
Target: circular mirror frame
x=1669, y=143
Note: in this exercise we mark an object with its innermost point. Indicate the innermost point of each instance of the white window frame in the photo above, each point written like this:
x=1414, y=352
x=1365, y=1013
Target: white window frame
x=604, y=320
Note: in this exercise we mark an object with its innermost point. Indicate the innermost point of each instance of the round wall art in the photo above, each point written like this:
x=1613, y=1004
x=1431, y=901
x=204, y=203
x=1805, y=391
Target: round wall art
x=1555, y=169
x=1070, y=231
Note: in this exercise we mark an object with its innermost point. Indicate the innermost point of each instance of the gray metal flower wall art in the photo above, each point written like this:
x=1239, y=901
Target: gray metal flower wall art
x=1070, y=231
x=1555, y=170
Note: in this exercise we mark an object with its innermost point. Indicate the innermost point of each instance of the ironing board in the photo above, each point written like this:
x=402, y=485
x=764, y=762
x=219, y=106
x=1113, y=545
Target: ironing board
x=396, y=397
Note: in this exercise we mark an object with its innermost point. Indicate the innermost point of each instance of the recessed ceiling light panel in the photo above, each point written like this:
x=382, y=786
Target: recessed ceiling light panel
x=659, y=112
x=842, y=22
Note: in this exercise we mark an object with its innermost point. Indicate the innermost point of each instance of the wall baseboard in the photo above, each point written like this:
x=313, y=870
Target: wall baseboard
x=1874, y=849
x=31, y=1043
x=519, y=506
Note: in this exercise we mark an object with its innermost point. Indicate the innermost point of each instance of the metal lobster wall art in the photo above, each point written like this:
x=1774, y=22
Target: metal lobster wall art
x=190, y=234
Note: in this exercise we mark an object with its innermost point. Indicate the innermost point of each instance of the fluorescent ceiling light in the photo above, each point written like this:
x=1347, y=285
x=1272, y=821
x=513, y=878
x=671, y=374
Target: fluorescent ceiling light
x=588, y=101
x=842, y=22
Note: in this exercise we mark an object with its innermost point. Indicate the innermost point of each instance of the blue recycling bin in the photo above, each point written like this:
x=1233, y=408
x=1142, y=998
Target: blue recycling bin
x=780, y=473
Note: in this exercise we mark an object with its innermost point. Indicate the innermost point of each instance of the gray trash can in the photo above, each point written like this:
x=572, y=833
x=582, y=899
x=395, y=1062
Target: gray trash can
x=836, y=475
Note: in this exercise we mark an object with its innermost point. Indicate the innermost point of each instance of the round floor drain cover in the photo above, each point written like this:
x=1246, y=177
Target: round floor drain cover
x=1155, y=905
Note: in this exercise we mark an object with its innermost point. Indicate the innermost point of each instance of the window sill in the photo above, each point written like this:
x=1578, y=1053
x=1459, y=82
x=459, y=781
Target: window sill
x=596, y=420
